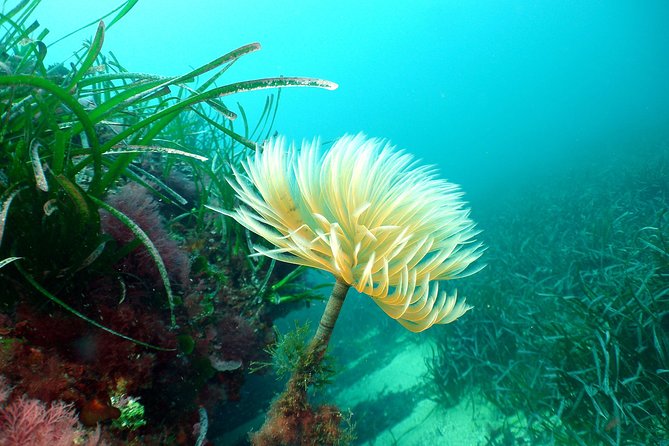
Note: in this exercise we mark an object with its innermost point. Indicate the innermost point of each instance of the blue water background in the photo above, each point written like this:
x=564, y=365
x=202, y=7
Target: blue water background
x=496, y=93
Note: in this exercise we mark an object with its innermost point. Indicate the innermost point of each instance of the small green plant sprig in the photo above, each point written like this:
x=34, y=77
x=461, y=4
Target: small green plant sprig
x=290, y=352
x=132, y=413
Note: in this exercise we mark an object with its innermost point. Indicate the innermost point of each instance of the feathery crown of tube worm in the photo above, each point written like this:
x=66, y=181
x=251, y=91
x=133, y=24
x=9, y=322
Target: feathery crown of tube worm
x=367, y=213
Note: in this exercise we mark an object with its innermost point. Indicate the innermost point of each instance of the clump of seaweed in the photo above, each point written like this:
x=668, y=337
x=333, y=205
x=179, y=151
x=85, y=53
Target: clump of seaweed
x=287, y=352
x=293, y=420
x=25, y=420
x=137, y=203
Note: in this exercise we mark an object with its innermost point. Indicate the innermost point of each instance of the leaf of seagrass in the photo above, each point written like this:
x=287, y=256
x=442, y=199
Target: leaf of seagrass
x=119, y=102
x=8, y=260
x=78, y=198
x=12, y=12
x=128, y=153
x=15, y=26
x=222, y=109
x=98, y=20
x=91, y=55
x=276, y=109
x=167, y=114
x=150, y=247
x=125, y=9
x=30, y=29
x=237, y=137
x=38, y=169
x=58, y=153
x=226, y=58
x=60, y=93
x=265, y=118
x=245, y=120
x=132, y=148
x=7, y=197
x=140, y=176
x=116, y=170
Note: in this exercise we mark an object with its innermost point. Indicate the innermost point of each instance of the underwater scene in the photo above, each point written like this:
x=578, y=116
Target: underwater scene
x=352, y=223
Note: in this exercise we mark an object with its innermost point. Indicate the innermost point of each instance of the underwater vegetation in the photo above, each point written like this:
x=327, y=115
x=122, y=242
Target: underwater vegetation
x=379, y=223
x=123, y=300
x=130, y=313
x=571, y=337
x=26, y=421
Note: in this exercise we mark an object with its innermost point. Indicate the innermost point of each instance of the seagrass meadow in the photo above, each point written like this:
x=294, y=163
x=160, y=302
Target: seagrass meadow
x=571, y=342
x=451, y=227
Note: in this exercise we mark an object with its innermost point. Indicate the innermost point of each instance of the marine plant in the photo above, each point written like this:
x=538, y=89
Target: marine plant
x=286, y=353
x=572, y=344
x=132, y=412
x=369, y=215
x=91, y=124
x=74, y=140
x=25, y=421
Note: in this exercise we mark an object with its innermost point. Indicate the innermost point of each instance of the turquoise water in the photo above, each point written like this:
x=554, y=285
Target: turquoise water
x=510, y=99
x=487, y=90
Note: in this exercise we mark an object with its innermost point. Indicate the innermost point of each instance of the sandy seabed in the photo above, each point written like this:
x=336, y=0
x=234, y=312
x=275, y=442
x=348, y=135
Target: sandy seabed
x=382, y=381
x=397, y=407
